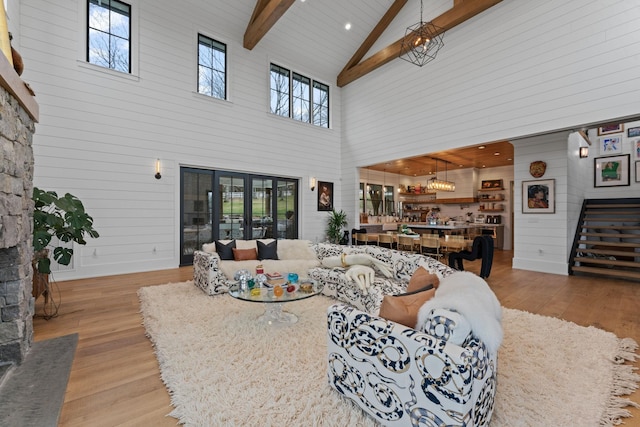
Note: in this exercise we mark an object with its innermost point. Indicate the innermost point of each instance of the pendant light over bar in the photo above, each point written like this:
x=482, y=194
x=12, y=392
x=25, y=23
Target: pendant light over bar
x=435, y=184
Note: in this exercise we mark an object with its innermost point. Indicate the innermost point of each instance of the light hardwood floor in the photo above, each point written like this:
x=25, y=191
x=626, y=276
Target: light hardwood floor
x=115, y=380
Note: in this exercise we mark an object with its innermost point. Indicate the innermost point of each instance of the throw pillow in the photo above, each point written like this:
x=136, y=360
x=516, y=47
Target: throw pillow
x=421, y=278
x=225, y=251
x=404, y=308
x=267, y=250
x=244, y=254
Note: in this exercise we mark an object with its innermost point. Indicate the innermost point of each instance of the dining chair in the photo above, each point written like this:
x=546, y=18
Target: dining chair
x=361, y=238
x=386, y=241
x=430, y=245
x=405, y=243
x=454, y=243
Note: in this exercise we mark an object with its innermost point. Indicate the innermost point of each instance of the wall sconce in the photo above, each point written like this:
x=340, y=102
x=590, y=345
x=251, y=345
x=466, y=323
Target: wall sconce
x=157, y=175
x=584, y=152
x=312, y=183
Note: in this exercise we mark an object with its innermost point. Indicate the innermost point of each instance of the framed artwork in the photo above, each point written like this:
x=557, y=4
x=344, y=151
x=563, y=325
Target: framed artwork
x=635, y=147
x=492, y=183
x=610, y=145
x=539, y=196
x=637, y=171
x=633, y=132
x=325, y=196
x=612, y=171
x=609, y=129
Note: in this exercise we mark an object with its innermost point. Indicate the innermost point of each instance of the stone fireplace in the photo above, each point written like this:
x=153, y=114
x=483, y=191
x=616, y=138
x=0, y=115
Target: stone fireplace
x=18, y=114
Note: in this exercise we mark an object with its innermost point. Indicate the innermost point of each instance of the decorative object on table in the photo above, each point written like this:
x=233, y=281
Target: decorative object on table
x=610, y=129
x=538, y=196
x=537, y=168
x=421, y=42
x=612, y=171
x=337, y=220
x=325, y=196
x=633, y=132
x=610, y=145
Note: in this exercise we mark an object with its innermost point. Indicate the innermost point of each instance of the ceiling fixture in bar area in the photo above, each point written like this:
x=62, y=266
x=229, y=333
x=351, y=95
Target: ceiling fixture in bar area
x=435, y=184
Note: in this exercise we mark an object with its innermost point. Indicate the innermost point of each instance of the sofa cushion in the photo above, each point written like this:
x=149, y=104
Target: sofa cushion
x=404, y=308
x=225, y=251
x=421, y=278
x=267, y=250
x=296, y=249
x=244, y=254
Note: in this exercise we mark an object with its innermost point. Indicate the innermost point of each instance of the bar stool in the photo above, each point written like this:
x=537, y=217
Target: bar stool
x=454, y=243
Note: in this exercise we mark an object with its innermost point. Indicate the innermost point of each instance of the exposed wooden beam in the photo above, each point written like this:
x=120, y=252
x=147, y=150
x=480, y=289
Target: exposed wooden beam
x=265, y=14
x=375, y=33
x=584, y=136
x=461, y=11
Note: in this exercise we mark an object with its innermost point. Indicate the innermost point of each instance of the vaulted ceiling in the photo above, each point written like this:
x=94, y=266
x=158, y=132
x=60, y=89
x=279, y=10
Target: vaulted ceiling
x=372, y=17
x=378, y=28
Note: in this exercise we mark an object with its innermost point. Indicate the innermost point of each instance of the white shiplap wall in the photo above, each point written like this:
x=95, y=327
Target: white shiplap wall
x=101, y=131
x=523, y=68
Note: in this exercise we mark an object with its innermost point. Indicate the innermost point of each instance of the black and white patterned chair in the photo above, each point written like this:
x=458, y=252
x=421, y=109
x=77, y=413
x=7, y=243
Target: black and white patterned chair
x=404, y=377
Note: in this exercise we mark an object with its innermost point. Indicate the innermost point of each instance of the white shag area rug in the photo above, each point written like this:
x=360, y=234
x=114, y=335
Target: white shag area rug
x=222, y=369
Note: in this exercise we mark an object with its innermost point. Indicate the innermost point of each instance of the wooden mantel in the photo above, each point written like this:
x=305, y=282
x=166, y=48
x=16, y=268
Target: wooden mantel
x=11, y=81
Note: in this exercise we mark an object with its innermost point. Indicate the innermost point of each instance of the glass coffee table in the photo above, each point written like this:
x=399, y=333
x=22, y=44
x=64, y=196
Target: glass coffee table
x=274, y=314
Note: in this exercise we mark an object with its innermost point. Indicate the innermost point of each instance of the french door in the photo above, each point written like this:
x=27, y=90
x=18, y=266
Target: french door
x=232, y=205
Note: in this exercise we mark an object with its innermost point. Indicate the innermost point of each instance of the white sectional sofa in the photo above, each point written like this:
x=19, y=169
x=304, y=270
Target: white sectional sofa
x=213, y=275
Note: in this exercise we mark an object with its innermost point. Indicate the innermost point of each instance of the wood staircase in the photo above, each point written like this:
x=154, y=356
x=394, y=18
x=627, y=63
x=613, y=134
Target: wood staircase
x=607, y=239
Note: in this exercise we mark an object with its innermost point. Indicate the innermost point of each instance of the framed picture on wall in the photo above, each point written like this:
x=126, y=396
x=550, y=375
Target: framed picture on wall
x=539, y=196
x=610, y=129
x=325, y=196
x=610, y=145
x=633, y=132
x=635, y=147
x=637, y=171
x=612, y=171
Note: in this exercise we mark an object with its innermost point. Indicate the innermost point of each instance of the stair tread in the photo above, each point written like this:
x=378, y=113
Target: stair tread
x=614, y=244
x=614, y=235
x=608, y=252
x=606, y=261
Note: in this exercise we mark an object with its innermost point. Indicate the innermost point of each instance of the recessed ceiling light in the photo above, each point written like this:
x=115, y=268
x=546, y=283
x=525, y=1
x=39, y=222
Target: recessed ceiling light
x=482, y=147
x=496, y=154
x=347, y=26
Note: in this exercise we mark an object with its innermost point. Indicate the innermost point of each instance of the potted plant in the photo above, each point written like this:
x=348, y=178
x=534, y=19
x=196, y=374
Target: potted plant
x=61, y=217
x=337, y=220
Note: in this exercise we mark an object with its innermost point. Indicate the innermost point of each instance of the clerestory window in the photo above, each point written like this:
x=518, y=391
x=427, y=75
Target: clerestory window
x=299, y=97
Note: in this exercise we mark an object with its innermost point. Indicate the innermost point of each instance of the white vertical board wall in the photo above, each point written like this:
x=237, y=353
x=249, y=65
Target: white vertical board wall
x=101, y=132
x=521, y=68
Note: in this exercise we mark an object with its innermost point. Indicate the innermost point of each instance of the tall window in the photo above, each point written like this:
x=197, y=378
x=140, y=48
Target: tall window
x=301, y=97
x=320, y=105
x=212, y=66
x=292, y=96
x=279, y=90
x=109, y=34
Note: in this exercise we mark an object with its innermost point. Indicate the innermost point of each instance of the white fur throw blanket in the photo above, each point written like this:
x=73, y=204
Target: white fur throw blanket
x=472, y=298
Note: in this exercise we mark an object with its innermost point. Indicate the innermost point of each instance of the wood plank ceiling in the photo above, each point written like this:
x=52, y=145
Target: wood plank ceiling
x=481, y=156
